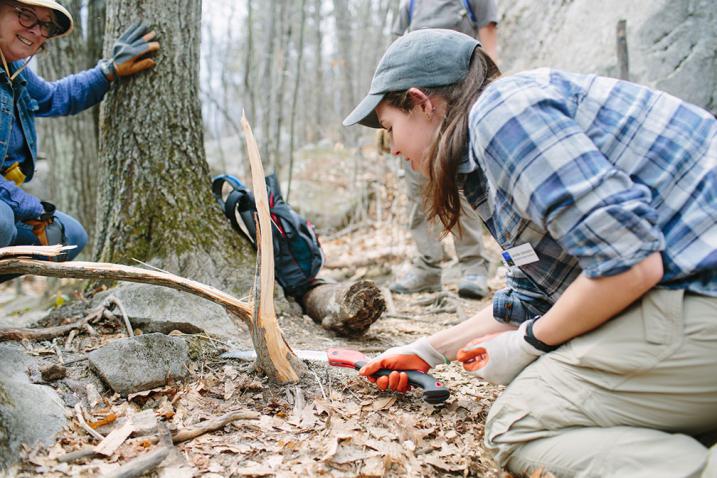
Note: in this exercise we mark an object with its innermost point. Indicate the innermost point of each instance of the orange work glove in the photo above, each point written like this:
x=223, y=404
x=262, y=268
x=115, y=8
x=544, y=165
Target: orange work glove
x=419, y=355
x=499, y=358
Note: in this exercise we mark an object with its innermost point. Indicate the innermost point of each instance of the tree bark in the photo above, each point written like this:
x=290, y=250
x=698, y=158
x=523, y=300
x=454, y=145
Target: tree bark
x=70, y=143
x=267, y=77
x=155, y=201
x=282, y=69
x=295, y=96
x=344, y=62
x=347, y=309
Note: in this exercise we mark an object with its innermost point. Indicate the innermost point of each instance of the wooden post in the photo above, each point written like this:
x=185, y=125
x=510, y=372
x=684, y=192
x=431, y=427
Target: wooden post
x=622, y=58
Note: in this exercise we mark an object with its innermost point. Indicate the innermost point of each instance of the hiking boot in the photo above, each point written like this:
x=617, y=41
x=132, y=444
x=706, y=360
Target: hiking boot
x=414, y=279
x=473, y=286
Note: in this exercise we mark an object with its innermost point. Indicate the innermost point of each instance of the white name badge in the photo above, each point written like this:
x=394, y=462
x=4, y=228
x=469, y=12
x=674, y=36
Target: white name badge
x=519, y=255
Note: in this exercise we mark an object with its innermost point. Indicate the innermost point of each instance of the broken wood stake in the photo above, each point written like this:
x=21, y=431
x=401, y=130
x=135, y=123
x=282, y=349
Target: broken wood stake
x=274, y=356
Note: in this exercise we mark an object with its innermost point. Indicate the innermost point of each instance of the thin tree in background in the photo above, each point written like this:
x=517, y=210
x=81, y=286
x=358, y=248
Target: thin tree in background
x=155, y=201
x=282, y=70
x=267, y=77
x=295, y=96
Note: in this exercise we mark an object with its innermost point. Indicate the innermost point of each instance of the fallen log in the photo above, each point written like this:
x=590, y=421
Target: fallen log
x=238, y=310
x=347, y=309
x=22, y=333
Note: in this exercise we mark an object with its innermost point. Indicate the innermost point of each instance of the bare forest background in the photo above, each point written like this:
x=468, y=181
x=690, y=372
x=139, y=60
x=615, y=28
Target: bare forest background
x=295, y=67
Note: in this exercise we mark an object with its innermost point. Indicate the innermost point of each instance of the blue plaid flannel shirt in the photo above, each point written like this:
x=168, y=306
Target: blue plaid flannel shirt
x=596, y=174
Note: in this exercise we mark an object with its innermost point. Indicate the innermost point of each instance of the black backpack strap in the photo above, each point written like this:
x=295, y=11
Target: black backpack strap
x=239, y=202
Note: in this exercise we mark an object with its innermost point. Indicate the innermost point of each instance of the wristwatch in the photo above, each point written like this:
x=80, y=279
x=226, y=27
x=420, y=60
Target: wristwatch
x=536, y=342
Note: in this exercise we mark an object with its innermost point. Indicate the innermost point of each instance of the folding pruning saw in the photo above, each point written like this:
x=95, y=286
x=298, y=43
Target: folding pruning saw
x=434, y=392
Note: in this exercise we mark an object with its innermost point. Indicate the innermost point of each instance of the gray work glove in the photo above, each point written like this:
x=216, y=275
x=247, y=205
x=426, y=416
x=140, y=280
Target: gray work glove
x=129, y=50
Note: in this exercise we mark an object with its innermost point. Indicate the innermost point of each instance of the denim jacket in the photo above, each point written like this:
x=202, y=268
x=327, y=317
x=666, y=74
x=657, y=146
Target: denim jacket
x=26, y=97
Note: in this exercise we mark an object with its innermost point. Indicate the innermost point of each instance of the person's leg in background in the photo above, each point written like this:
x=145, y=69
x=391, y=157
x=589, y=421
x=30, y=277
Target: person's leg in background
x=8, y=232
x=21, y=234
x=423, y=273
x=73, y=235
x=469, y=249
x=7, y=225
x=710, y=470
x=624, y=400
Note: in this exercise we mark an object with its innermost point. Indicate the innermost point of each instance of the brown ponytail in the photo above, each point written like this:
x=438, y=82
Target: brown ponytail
x=442, y=198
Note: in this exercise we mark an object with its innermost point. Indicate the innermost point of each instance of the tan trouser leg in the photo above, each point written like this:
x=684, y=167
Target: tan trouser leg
x=711, y=468
x=427, y=236
x=619, y=401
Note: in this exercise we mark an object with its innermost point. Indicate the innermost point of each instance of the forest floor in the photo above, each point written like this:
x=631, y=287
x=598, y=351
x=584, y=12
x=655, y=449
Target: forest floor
x=332, y=423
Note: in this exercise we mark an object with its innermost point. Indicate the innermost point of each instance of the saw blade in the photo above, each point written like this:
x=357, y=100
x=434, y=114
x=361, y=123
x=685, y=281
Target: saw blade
x=250, y=355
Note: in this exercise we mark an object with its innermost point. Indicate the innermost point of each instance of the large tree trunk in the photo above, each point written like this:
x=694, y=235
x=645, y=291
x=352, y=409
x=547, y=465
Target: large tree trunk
x=155, y=201
x=70, y=143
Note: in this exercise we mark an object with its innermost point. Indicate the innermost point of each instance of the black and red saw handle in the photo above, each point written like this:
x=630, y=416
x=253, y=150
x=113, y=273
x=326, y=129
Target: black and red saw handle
x=434, y=392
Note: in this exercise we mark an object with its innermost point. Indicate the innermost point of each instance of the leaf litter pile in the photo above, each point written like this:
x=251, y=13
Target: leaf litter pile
x=226, y=420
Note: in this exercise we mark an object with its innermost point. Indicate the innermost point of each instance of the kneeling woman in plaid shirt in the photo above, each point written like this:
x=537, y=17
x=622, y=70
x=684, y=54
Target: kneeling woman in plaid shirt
x=603, y=196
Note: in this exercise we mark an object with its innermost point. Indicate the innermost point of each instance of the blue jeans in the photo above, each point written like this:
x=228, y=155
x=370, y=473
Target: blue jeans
x=16, y=233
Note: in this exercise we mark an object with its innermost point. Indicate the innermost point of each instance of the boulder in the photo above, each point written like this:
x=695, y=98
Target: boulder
x=671, y=43
x=161, y=309
x=140, y=363
x=29, y=413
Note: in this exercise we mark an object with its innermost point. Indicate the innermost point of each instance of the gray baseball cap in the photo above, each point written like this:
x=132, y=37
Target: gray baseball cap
x=423, y=59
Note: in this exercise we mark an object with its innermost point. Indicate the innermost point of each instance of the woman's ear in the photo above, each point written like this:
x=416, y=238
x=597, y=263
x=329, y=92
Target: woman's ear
x=422, y=101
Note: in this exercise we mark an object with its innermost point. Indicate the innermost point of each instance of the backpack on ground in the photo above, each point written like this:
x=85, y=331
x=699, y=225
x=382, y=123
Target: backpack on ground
x=297, y=252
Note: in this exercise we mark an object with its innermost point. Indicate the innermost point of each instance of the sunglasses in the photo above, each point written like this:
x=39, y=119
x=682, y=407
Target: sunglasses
x=28, y=19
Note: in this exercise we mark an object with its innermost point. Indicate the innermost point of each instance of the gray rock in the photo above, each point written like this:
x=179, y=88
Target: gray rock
x=28, y=413
x=140, y=363
x=671, y=43
x=23, y=311
x=161, y=309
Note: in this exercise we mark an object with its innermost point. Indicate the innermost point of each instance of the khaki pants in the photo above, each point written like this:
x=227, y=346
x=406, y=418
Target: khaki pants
x=427, y=236
x=621, y=401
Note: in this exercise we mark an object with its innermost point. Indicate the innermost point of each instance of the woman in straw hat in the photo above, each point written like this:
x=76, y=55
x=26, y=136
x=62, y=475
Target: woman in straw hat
x=25, y=26
x=603, y=196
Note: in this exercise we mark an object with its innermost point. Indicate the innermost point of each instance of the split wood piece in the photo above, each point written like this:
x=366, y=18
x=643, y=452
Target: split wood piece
x=81, y=419
x=115, y=439
x=147, y=462
x=275, y=358
x=29, y=251
x=179, y=436
x=348, y=309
